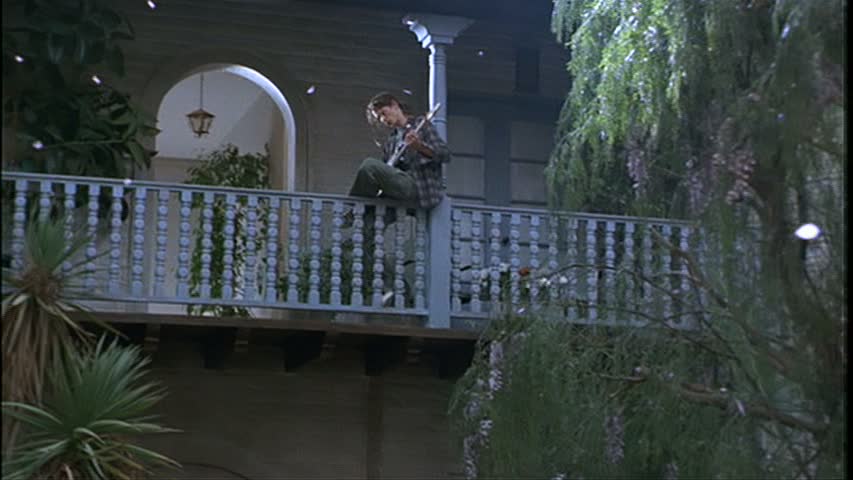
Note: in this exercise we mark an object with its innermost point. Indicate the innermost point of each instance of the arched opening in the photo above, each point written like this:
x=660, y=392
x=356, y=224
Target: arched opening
x=250, y=110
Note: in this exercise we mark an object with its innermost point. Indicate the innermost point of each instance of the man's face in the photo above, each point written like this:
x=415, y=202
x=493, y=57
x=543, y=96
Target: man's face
x=390, y=115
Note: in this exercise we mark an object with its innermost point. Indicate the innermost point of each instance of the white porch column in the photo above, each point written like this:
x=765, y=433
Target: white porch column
x=437, y=32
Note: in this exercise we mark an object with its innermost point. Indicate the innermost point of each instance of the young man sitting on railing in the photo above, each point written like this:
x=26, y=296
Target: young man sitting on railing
x=413, y=153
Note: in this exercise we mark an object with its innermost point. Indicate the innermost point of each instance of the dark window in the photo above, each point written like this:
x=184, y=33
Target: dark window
x=527, y=70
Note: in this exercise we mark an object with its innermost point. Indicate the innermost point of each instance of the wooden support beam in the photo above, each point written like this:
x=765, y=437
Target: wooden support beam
x=450, y=359
x=218, y=345
x=395, y=325
x=302, y=347
x=242, y=338
x=150, y=338
x=383, y=352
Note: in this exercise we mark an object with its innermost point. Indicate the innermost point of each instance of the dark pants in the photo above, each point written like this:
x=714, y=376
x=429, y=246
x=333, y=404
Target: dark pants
x=374, y=176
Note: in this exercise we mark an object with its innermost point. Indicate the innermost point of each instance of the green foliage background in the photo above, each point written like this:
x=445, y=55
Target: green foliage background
x=730, y=114
x=227, y=167
x=50, y=97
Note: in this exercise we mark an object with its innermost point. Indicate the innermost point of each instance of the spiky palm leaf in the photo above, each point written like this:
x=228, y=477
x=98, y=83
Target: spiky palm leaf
x=95, y=402
x=37, y=307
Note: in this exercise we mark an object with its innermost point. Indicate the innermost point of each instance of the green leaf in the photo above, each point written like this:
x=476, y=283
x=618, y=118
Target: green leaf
x=137, y=152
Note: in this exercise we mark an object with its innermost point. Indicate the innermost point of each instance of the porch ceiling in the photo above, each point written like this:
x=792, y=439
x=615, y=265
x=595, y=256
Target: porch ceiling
x=522, y=15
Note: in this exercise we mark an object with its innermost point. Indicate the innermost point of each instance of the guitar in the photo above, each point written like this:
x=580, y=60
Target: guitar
x=401, y=147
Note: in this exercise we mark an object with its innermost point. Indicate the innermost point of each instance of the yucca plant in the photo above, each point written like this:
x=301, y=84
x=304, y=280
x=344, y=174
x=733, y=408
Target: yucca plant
x=37, y=308
x=96, y=401
x=38, y=328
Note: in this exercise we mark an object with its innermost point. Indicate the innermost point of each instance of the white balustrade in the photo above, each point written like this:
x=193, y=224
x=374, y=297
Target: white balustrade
x=572, y=262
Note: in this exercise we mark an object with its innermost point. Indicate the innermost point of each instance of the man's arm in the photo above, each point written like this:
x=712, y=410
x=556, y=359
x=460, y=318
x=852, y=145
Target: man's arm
x=429, y=144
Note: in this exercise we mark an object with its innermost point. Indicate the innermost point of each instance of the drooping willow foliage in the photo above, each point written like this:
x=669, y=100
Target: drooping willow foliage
x=660, y=86
x=729, y=114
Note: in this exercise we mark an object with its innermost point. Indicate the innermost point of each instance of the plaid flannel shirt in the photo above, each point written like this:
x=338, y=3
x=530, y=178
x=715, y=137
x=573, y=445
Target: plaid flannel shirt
x=425, y=171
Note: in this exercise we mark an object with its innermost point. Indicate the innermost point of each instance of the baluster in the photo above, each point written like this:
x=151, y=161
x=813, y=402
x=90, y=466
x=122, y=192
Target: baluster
x=573, y=262
x=163, y=196
x=271, y=261
x=630, y=264
x=357, y=295
x=337, y=221
x=476, y=259
x=592, y=270
x=314, y=264
x=250, y=275
x=553, y=263
x=666, y=270
x=534, y=262
x=609, y=272
x=514, y=261
x=138, y=249
x=399, y=261
x=70, y=194
x=650, y=293
x=184, y=245
x=91, y=234
x=683, y=288
x=420, y=259
x=379, y=256
x=456, y=260
x=495, y=260
x=45, y=195
x=115, y=240
x=18, y=221
x=228, y=246
x=206, y=243
x=293, y=262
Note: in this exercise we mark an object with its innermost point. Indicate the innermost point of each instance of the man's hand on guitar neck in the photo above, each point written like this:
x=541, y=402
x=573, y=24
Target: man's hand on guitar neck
x=413, y=140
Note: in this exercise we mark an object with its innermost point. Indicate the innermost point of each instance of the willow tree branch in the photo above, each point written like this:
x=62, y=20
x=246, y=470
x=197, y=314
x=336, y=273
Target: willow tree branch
x=701, y=394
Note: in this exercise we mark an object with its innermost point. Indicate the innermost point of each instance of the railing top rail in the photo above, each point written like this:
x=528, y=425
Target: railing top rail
x=10, y=175
x=581, y=215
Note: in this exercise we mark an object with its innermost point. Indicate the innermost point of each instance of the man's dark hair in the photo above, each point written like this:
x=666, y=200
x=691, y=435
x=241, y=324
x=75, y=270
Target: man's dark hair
x=383, y=99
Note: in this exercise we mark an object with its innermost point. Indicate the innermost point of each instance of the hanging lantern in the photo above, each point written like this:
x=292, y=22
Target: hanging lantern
x=200, y=120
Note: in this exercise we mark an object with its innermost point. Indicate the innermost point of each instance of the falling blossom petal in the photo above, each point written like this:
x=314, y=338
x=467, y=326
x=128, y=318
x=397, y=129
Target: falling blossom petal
x=96, y=80
x=311, y=90
x=19, y=59
x=151, y=4
x=808, y=231
x=38, y=145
